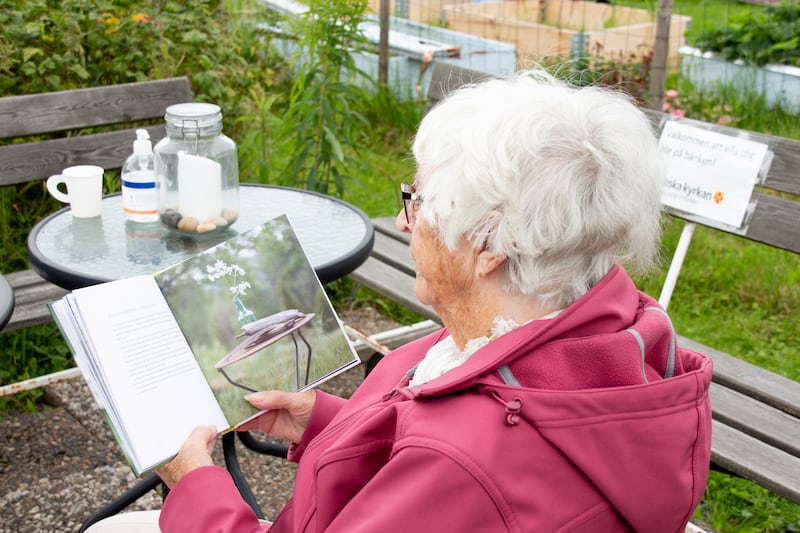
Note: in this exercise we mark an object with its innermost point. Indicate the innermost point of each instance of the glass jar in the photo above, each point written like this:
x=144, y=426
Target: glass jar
x=197, y=170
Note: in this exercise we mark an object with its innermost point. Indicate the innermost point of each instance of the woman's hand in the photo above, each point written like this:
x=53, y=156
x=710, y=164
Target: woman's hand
x=194, y=453
x=287, y=413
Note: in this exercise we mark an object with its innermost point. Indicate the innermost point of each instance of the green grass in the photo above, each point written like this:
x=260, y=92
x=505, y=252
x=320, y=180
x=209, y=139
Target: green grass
x=702, y=12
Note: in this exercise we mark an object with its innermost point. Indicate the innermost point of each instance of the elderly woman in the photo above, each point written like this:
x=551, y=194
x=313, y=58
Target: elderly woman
x=555, y=398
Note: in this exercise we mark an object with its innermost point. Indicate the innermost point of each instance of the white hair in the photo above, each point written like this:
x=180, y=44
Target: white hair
x=563, y=181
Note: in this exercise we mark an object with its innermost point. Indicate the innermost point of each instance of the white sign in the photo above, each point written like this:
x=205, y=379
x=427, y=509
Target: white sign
x=709, y=174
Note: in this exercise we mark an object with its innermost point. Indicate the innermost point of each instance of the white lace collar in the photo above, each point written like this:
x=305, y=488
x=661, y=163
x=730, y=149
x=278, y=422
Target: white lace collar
x=445, y=355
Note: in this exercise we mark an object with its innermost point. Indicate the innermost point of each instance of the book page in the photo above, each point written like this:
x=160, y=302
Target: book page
x=256, y=317
x=163, y=354
x=155, y=389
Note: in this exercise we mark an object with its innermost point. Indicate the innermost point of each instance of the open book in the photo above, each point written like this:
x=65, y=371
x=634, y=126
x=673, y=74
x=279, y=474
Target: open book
x=163, y=354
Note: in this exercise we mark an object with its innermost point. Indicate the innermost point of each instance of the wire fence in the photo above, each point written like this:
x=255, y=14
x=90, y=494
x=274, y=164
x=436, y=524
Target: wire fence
x=500, y=37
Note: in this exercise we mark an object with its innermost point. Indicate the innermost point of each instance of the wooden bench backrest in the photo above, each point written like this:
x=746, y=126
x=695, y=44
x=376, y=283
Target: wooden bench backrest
x=59, y=114
x=775, y=220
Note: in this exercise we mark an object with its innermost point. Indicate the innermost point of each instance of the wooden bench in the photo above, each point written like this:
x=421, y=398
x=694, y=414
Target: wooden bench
x=756, y=413
x=94, y=126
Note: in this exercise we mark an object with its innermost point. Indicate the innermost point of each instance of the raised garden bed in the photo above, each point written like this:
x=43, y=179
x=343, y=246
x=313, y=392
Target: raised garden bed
x=551, y=28
x=779, y=84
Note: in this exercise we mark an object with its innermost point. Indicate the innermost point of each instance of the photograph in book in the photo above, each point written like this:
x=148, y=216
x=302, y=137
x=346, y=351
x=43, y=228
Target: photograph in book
x=255, y=316
x=165, y=353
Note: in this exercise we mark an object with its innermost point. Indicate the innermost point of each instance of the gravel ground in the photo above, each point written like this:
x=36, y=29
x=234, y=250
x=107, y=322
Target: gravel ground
x=61, y=464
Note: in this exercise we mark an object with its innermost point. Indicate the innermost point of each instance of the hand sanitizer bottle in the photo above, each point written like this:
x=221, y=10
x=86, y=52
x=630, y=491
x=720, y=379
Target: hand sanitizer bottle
x=139, y=195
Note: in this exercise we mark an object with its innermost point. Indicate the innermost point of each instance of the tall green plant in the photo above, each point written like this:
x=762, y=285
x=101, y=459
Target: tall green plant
x=322, y=128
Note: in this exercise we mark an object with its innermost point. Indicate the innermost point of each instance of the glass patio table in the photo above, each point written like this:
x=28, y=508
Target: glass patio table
x=73, y=252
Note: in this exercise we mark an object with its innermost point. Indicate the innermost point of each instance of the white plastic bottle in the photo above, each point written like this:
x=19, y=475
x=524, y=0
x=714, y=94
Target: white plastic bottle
x=139, y=195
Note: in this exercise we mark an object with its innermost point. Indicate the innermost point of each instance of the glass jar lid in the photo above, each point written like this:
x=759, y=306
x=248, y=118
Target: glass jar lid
x=194, y=118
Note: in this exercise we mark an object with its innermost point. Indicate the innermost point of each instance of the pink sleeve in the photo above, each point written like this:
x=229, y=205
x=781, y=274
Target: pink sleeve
x=325, y=408
x=206, y=499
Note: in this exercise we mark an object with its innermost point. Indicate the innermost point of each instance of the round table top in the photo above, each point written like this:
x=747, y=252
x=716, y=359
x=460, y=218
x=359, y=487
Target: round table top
x=74, y=252
x=6, y=301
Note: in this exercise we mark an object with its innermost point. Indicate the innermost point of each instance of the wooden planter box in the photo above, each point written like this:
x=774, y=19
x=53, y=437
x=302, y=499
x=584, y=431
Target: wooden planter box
x=554, y=27
x=779, y=84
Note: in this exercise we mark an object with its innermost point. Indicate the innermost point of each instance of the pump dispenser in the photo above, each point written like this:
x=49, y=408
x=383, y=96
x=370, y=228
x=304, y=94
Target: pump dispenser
x=139, y=196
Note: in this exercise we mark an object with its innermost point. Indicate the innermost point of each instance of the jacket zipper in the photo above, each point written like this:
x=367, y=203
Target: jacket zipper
x=402, y=386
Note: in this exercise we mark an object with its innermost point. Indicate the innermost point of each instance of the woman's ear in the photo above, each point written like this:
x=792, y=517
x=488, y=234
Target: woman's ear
x=487, y=263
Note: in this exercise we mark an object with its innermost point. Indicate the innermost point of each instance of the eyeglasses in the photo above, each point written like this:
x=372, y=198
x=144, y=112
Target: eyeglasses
x=411, y=201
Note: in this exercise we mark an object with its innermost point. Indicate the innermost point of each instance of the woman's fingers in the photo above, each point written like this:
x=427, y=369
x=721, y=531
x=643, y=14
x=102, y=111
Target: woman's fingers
x=195, y=453
x=286, y=416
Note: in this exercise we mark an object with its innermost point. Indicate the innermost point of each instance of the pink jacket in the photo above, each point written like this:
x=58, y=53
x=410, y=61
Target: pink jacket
x=590, y=421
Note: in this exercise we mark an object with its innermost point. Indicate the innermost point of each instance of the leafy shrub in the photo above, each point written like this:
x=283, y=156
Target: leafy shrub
x=759, y=37
x=51, y=46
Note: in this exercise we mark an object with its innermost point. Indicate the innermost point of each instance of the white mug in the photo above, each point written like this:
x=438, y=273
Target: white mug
x=84, y=185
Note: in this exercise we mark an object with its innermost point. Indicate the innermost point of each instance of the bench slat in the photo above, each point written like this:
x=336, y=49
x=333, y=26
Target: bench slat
x=392, y=252
x=23, y=278
x=21, y=163
x=444, y=80
x=36, y=114
x=386, y=226
x=32, y=293
x=755, y=418
x=774, y=390
x=392, y=283
x=755, y=460
x=776, y=221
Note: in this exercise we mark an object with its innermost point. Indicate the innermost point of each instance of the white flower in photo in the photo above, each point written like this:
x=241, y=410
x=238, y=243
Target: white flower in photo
x=231, y=274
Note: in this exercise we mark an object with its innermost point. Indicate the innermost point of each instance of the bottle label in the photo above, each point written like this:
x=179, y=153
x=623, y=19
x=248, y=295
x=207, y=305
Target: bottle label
x=139, y=197
x=139, y=185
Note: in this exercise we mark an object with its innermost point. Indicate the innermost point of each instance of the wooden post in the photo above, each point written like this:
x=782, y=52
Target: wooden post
x=658, y=68
x=383, y=44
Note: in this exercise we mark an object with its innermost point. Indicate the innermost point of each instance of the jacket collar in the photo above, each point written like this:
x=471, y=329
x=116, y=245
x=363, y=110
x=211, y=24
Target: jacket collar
x=608, y=306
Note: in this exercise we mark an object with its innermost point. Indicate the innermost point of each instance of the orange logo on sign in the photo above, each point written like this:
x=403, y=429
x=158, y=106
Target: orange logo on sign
x=718, y=197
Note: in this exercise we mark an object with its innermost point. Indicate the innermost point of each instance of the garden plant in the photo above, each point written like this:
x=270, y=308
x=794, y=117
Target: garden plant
x=309, y=124
x=756, y=37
